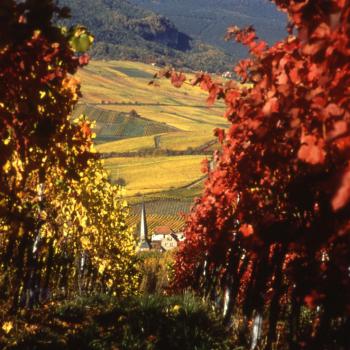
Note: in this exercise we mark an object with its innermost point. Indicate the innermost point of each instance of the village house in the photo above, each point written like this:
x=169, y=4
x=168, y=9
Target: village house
x=227, y=75
x=162, y=239
x=169, y=242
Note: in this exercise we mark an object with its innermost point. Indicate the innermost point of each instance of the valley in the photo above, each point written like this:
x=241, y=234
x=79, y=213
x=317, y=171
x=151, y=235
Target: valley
x=153, y=138
x=138, y=212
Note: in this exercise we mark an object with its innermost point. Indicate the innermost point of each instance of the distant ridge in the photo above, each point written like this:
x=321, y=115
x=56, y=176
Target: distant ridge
x=207, y=20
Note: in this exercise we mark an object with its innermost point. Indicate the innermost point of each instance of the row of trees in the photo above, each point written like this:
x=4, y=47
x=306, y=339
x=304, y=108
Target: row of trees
x=62, y=224
x=268, y=241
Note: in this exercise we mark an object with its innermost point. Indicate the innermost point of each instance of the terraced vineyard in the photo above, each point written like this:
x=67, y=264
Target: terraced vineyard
x=176, y=223
x=113, y=125
x=161, y=212
x=164, y=207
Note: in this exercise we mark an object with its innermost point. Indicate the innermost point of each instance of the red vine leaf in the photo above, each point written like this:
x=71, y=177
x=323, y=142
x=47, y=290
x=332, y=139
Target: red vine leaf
x=177, y=79
x=271, y=106
x=246, y=230
x=220, y=134
x=311, y=150
x=342, y=196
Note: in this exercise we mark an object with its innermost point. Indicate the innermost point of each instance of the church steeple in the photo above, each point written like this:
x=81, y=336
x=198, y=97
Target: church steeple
x=144, y=243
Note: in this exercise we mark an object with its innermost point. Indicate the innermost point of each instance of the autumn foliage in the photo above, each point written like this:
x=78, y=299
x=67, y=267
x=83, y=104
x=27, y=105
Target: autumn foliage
x=62, y=225
x=270, y=234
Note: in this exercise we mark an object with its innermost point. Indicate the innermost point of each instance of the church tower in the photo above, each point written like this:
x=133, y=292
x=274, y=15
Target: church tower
x=144, y=242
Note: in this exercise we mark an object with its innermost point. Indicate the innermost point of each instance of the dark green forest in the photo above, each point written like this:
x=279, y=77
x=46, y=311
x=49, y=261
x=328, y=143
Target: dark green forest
x=126, y=31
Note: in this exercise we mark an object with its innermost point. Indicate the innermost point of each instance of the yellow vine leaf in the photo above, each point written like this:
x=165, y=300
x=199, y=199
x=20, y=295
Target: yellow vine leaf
x=7, y=327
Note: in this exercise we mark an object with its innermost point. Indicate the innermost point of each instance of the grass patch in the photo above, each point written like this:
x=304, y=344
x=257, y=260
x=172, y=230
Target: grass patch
x=138, y=323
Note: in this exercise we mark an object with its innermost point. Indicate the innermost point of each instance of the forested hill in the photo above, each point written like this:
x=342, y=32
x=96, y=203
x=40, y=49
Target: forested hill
x=126, y=31
x=207, y=20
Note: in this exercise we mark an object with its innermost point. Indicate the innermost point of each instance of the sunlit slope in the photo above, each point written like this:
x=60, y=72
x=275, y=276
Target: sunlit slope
x=121, y=86
x=155, y=174
x=124, y=81
x=177, y=141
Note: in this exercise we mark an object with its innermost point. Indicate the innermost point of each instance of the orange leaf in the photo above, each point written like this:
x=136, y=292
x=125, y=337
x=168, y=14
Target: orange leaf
x=334, y=110
x=312, y=150
x=295, y=76
x=177, y=79
x=271, y=106
x=246, y=230
x=339, y=128
x=322, y=31
x=220, y=134
x=343, y=194
x=257, y=48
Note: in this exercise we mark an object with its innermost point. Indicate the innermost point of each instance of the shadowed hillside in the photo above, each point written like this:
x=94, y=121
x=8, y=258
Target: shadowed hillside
x=125, y=31
x=198, y=19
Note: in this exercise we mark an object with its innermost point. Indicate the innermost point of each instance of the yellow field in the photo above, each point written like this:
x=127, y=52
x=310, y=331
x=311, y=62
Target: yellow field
x=124, y=81
x=127, y=145
x=186, y=118
x=182, y=140
x=154, y=174
x=178, y=141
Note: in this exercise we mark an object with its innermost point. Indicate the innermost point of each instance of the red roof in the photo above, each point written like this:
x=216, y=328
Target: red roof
x=163, y=230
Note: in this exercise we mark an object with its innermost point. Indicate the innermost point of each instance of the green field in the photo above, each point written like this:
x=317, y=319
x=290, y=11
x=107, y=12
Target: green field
x=178, y=118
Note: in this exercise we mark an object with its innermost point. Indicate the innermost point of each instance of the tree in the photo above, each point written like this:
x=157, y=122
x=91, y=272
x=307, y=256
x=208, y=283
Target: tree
x=270, y=235
x=49, y=172
x=87, y=231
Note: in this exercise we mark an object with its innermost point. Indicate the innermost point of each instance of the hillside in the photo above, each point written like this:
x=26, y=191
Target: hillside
x=126, y=31
x=197, y=18
x=112, y=125
x=117, y=87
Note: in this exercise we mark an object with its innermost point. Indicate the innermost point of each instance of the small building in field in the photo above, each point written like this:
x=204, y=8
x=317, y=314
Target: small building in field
x=227, y=75
x=162, y=231
x=164, y=238
x=159, y=234
x=169, y=242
